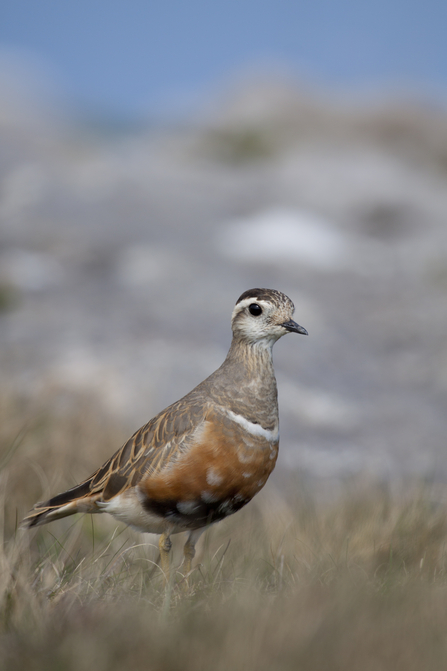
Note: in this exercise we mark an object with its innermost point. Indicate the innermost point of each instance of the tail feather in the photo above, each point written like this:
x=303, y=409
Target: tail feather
x=74, y=500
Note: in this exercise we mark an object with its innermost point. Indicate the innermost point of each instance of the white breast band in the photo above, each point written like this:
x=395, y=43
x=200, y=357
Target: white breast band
x=254, y=429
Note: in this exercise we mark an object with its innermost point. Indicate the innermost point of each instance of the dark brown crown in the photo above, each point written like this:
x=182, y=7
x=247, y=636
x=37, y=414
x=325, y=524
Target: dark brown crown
x=263, y=294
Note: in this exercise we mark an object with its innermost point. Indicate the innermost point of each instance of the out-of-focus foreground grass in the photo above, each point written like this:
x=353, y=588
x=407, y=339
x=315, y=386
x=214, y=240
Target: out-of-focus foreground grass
x=301, y=580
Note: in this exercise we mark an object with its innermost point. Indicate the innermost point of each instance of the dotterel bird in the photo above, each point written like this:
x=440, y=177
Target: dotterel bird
x=205, y=456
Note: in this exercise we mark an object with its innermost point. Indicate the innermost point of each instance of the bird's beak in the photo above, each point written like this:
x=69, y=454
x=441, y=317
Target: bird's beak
x=294, y=327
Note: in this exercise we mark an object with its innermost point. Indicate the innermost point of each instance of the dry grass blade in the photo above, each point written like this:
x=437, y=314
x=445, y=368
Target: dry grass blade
x=358, y=582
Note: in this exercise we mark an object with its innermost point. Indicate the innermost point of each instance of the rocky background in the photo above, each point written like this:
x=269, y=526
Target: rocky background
x=122, y=254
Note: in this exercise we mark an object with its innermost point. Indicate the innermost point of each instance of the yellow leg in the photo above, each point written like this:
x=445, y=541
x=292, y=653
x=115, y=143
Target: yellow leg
x=189, y=552
x=164, y=545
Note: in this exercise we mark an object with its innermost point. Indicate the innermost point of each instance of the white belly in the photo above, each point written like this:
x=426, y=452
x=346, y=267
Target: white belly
x=127, y=508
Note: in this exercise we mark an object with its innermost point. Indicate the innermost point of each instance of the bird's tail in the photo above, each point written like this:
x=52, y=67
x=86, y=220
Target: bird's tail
x=75, y=500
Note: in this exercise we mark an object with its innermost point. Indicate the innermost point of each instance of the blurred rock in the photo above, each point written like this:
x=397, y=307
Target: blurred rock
x=280, y=235
x=125, y=255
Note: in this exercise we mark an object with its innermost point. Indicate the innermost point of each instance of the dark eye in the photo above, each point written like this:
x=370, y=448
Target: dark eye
x=255, y=309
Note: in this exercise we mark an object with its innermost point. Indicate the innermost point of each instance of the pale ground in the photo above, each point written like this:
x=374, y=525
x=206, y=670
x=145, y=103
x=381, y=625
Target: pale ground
x=121, y=259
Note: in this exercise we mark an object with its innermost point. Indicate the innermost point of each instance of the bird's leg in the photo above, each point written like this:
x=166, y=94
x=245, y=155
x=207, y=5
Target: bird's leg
x=189, y=550
x=164, y=545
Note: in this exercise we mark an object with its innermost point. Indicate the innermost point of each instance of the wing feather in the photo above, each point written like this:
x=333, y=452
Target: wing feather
x=148, y=451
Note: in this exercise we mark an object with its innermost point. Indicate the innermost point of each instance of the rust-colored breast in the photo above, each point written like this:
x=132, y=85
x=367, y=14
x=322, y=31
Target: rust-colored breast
x=220, y=471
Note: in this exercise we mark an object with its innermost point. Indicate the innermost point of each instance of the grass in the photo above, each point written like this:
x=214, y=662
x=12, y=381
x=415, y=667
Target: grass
x=302, y=579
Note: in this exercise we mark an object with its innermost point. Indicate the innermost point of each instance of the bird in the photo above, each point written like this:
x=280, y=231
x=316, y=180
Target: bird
x=204, y=457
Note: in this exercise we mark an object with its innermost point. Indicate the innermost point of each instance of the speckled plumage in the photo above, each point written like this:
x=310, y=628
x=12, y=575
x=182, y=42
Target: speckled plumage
x=206, y=455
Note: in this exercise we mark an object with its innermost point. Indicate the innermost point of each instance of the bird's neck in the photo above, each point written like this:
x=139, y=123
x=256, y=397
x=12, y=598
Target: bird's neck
x=255, y=357
x=253, y=392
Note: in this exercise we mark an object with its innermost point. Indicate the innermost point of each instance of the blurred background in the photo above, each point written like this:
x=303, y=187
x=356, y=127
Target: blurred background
x=158, y=159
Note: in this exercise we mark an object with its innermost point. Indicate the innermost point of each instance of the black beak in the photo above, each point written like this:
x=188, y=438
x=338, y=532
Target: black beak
x=294, y=327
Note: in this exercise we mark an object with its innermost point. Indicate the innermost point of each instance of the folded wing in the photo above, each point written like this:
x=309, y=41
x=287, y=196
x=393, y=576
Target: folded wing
x=147, y=452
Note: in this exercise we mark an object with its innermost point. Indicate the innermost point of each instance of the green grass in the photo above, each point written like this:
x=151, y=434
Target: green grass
x=297, y=580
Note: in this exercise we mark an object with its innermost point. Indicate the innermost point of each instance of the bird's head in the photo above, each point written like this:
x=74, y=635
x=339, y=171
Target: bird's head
x=263, y=316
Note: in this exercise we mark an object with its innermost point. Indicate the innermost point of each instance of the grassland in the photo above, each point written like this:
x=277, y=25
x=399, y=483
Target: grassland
x=351, y=579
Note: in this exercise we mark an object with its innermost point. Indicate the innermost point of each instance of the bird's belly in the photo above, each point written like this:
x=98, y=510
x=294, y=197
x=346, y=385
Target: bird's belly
x=127, y=508
x=213, y=478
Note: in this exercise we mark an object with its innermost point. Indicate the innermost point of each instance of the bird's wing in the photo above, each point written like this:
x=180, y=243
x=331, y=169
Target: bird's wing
x=149, y=450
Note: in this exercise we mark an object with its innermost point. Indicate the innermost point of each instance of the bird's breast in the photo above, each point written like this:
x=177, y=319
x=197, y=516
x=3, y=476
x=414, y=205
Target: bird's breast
x=227, y=462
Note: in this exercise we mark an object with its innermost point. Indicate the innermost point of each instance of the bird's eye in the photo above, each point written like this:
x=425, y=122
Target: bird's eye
x=255, y=309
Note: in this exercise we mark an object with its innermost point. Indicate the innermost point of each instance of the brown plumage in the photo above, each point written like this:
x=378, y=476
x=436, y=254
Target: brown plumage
x=206, y=455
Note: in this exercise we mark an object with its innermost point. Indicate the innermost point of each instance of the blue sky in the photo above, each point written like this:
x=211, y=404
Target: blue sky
x=132, y=57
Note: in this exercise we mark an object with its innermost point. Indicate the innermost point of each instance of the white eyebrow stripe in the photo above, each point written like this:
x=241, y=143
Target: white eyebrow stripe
x=246, y=302
x=254, y=429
